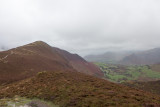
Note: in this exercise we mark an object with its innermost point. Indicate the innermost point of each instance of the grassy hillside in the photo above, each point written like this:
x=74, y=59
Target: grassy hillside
x=73, y=89
x=119, y=73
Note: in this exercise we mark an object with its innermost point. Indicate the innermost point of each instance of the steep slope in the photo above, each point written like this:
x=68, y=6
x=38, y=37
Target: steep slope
x=74, y=89
x=146, y=57
x=26, y=61
x=80, y=64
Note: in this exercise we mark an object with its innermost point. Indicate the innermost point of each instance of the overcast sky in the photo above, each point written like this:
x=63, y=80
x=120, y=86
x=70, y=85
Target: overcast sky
x=81, y=26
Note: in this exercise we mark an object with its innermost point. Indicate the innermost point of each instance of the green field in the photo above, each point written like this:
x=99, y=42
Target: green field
x=120, y=73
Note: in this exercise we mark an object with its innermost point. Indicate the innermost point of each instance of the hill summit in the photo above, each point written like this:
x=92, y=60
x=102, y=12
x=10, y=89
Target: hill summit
x=25, y=61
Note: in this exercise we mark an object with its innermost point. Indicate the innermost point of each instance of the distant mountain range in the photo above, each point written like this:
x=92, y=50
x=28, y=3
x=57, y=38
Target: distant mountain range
x=26, y=61
x=128, y=58
x=143, y=58
x=108, y=57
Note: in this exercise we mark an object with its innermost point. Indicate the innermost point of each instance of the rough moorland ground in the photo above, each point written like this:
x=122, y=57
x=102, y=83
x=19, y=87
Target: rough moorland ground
x=151, y=86
x=73, y=89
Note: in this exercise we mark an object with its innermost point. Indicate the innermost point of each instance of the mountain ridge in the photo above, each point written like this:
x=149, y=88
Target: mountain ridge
x=25, y=61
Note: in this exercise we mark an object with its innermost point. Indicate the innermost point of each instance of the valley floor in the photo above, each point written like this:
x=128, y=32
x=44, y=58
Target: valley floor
x=121, y=73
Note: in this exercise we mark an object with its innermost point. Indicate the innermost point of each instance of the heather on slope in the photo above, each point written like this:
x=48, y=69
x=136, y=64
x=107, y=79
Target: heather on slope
x=73, y=89
x=150, y=86
x=25, y=61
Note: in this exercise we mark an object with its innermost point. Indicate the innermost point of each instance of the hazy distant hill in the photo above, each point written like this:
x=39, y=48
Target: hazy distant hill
x=108, y=57
x=27, y=60
x=145, y=57
x=128, y=58
x=2, y=48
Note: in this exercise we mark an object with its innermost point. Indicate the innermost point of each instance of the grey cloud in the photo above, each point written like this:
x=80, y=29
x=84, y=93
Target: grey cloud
x=81, y=26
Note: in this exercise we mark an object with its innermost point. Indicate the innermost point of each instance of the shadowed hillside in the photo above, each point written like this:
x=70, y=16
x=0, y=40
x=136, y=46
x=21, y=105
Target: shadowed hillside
x=74, y=89
x=80, y=64
x=26, y=61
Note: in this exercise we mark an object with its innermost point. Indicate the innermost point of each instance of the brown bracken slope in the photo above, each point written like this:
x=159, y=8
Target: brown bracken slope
x=25, y=61
x=150, y=86
x=74, y=89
